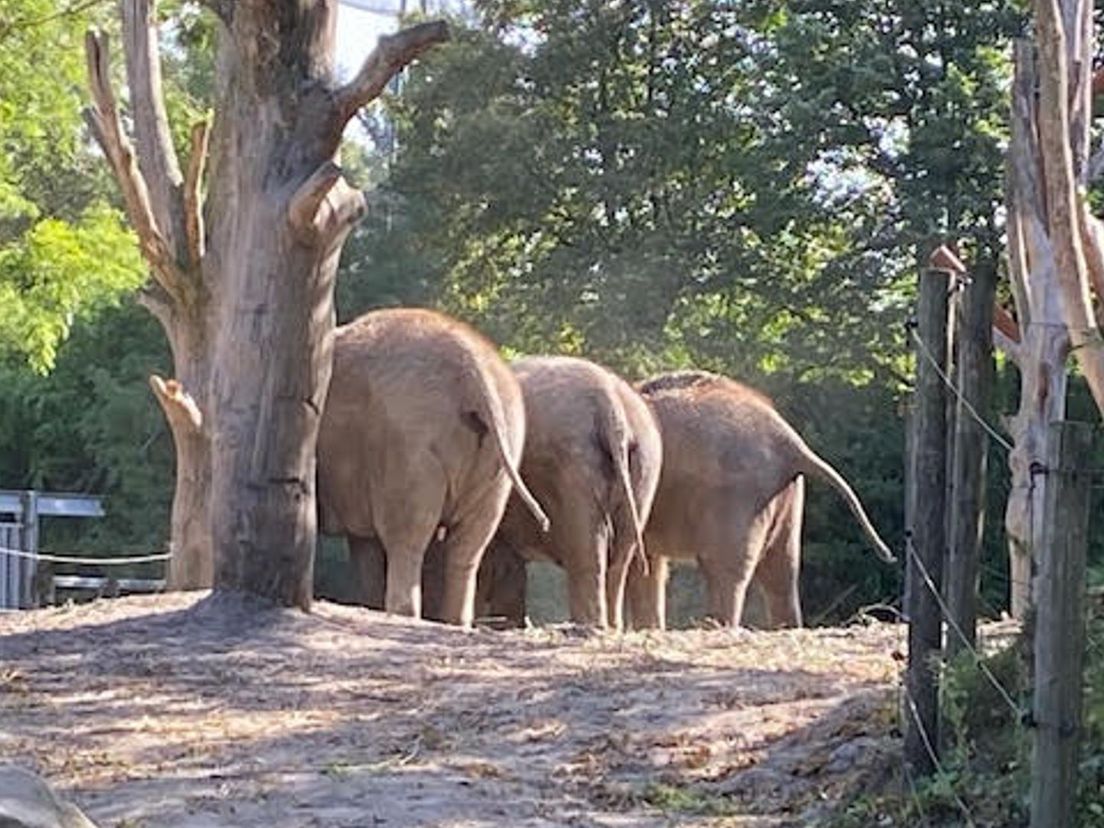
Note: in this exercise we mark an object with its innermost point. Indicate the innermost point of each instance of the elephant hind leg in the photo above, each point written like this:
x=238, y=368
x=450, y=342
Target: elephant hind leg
x=501, y=585
x=463, y=549
x=367, y=558
x=729, y=566
x=581, y=543
x=779, y=569
x=433, y=582
x=647, y=593
x=407, y=524
x=586, y=590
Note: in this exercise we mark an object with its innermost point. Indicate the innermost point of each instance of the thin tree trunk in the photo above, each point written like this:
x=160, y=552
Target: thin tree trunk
x=1038, y=340
x=1065, y=50
x=192, y=562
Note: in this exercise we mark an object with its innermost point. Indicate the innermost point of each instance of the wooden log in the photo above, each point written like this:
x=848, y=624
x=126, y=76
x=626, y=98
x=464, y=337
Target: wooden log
x=1060, y=626
x=928, y=529
x=967, y=519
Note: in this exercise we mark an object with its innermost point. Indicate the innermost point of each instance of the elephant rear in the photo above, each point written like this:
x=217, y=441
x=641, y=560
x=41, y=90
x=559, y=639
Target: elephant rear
x=593, y=453
x=419, y=443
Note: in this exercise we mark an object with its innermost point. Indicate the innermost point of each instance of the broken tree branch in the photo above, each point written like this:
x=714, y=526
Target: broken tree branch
x=1018, y=265
x=193, y=182
x=153, y=298
x=1078, y=27
x=105, y=125
x=348, y=207
x=325, y=206
x=179, y=406
x=1006, y=335
x=152, y=138
x=1004, y=322
x=1007, y=347
x=391, y=55
x=1024, y=148
x=306, y=204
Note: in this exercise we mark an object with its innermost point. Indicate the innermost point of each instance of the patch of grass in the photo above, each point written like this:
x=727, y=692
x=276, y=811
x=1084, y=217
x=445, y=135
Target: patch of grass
x=990, y=800
x=1090, y=800
x=685, y=799
x=987, y=753
x=984, y=732
x=337, y=770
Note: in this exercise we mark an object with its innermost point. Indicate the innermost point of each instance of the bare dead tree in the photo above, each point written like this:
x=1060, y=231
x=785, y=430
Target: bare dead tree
x=242, y=279
x=1055, y=254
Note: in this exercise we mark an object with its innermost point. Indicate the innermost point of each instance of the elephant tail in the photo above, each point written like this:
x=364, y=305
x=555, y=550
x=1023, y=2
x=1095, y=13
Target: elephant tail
x=625, y=512
x=495, y=417
x=813, y=465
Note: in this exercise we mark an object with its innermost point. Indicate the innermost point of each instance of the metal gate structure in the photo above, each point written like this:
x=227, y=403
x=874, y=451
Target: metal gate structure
x=20, y=512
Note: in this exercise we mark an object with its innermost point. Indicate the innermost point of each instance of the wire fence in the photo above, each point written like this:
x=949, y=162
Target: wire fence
x=84, y=559
x=1035, y=525
x=24, y=584
x=929, y=743
x=954, y=389
x=952, y=626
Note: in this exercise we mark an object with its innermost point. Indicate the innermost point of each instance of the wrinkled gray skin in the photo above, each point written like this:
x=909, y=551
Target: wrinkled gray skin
x=730, y=496
x=26, y=801
x=419, y=444
x=592, y=458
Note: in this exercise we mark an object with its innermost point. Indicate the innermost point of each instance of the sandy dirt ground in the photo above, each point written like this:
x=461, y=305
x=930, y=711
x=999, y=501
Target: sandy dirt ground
x=193, y=710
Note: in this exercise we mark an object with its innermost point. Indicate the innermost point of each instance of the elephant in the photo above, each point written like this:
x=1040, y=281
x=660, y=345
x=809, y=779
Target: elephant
x=731, y=495
x=592, y=457
x=419, y=444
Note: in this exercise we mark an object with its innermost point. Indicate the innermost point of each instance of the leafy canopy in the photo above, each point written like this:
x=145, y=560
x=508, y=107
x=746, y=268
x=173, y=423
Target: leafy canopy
x=64, y=249
x=741, y=186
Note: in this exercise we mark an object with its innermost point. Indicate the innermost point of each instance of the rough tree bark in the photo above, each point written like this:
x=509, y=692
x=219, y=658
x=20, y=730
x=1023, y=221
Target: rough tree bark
x=1036, y=340
x=1064, y=31
x=1055, y=258
x=243, y=281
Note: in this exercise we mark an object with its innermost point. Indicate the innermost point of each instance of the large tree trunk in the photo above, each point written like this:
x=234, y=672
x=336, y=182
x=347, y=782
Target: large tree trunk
x=272, y=280
x=244, y=286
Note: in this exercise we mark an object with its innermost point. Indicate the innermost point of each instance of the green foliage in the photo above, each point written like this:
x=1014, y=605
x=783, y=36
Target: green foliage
x=740, y=187
x=93, y=426
x=188, y=37
x=986, y=761
x=55, y=270
x=686, y=799
x=63, y=249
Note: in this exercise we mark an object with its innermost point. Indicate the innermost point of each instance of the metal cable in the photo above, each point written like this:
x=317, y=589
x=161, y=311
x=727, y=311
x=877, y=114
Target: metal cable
x=910, y=549
x=74, y=559
x=923, y=349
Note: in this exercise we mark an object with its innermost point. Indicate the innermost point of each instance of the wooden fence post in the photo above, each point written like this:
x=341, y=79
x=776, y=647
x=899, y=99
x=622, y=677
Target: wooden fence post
x=928, y=530
x=1059, y=592
x=975, y=373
